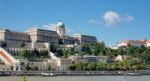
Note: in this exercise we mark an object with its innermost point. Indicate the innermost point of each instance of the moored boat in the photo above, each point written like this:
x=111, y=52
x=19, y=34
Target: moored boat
x=134, y=74
x=48, y=74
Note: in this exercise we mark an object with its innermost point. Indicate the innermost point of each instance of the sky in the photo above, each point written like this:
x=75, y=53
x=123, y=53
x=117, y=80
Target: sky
x=110, y=21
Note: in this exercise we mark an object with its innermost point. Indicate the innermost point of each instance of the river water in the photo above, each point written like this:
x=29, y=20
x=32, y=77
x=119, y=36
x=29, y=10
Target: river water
x=81, y=78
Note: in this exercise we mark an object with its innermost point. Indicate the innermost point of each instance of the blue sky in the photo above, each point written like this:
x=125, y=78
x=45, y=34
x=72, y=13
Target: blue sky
x=110, y=21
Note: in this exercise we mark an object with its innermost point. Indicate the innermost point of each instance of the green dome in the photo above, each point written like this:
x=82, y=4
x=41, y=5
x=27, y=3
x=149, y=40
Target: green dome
x=60, y=24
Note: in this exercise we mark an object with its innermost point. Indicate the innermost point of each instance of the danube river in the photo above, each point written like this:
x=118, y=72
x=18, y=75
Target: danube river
x=81, y=78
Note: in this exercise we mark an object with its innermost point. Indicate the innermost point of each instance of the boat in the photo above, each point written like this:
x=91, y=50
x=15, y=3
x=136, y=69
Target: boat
x=2, y=73
x=48, y=74
x=133, y=74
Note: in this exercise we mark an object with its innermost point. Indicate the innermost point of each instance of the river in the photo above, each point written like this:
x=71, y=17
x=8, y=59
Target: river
x=81, y=78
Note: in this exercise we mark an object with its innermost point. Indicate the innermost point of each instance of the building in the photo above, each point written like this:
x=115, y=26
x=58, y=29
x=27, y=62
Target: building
x=34, y=37
x=136, y=43
x=90, y=59
x=84, y=38
x=12, y=42
x=42, y=35
x=120, y=58
x=63, y=38
x=60, y=64
x=13, y=39
x=60, y=29
x=67, y=40
x=148, y=43
x=8, y=58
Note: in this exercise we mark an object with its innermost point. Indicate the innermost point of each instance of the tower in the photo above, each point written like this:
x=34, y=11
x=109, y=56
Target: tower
x=60, y=28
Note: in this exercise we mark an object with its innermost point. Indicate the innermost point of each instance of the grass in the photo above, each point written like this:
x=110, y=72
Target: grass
x=23, y=78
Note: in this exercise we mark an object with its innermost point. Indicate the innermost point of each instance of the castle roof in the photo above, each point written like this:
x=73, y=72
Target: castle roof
x=60, y=24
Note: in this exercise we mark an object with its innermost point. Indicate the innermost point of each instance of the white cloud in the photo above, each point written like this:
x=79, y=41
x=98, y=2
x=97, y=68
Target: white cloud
x=35, y=26
x=112, y=18
x=49, y=26
x=92, y=21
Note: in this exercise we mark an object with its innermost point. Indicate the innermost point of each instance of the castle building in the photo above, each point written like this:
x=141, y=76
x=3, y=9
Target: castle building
x=60, y=29
x=84, y=38
x=136, y=43
x=42, y=35
x=11, y=43
x=39, y=37
x=12, y=38
x=64, y=39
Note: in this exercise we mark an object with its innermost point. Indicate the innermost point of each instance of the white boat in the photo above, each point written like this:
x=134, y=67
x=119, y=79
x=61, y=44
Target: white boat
x=48, y=74
x=133, y=74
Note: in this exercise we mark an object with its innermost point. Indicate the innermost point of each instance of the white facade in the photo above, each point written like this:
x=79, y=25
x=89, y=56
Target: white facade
x=60, y=64
x=122, y=44
x=84, y=38
x=42, y=35
x=148, y=44
x=90, y=59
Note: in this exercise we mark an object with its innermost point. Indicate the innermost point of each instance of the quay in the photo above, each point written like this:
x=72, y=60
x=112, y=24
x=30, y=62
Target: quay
x=74, y=73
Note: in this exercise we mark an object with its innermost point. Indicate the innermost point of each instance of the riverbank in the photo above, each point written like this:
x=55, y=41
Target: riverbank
x=78, y=78
x=74, y=73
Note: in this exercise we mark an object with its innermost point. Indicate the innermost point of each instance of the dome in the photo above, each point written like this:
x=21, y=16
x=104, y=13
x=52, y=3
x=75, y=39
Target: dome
x=60, y=24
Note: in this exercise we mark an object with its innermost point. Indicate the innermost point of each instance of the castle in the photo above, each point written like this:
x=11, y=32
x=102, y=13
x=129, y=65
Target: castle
x=12, y=44
x=38, y=38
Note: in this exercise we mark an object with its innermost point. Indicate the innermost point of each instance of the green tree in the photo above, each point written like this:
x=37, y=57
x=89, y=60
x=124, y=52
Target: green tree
x=27, y=67
x=11, y=68
x=72, y=67
x=22, y=44
x=3, y=44
x=36, y=53
x=53, y=48
x=24, y=53
x=91, y=66
x=59, y=52
x=49, y=68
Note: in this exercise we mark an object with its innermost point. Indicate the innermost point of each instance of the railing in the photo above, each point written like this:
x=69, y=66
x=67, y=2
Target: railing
x=6, y=57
